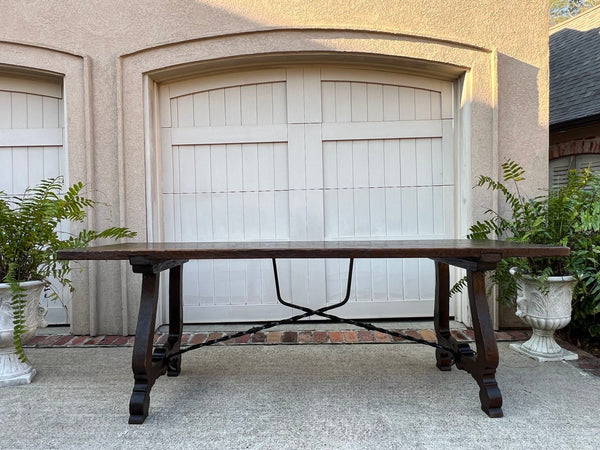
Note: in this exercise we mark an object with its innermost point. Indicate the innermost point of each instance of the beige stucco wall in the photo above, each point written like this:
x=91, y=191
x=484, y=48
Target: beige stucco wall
x=111, y=54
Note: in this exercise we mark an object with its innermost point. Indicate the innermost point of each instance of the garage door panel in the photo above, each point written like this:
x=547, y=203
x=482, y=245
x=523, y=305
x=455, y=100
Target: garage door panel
x=35, y=111
x=410, y=223
x=345, y=165
x=423, y=153
x=185, y=111
x=379, y=77
x=235, y=216
x=436, y=105
x=211, y=82
x=370, y=102
x=18, y=114
x=6, y=170
x=251, y=216
x=35, y=163
x=381, y=280
x=203, y=272
x=296, y=156
x=362, y=280
x=406, y=97
x=268, y=159
x=216, y=107
x=391, y=103
x=382, y=130
x=234, y=167
x=375, y=163
x=422, y=104
x=377, y=212
x=200, y=107
x=233, y=114
x=5, y=111
x=408, y=162
x=31, y=140
x=310, y=156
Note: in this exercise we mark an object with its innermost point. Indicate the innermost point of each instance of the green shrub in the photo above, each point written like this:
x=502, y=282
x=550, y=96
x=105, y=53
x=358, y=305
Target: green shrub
x=30, y=238
x=566, y=215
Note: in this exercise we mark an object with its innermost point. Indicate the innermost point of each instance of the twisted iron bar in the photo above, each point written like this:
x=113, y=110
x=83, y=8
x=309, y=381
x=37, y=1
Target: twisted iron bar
x=322, y=313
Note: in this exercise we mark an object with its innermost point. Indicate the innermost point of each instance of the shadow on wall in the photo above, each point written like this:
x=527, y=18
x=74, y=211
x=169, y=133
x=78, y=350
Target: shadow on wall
x=518, y=89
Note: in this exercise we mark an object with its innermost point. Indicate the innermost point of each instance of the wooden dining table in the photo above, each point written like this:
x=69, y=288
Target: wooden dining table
x=149, y=362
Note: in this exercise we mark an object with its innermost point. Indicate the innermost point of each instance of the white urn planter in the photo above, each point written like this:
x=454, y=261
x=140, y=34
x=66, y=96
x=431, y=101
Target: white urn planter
x=12, y=370
x=545, y=312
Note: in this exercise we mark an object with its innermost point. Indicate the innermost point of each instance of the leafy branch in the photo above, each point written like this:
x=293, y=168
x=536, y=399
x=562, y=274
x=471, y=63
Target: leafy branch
x=30, y=236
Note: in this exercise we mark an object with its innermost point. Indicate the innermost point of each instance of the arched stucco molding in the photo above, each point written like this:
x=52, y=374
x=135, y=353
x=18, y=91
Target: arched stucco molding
x=138, y=73
x=75, y=71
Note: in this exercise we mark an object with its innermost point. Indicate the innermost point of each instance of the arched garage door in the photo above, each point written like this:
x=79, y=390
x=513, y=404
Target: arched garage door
x=31, y=145
x=307, y=153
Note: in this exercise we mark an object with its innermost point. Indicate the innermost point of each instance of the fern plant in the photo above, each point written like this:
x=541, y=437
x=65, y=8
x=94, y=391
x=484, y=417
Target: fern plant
x=566, y=215
x=30, y=238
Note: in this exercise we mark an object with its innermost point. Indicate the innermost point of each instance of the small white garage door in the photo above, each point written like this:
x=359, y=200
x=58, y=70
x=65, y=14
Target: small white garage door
x=31, y=145
x=307, y=153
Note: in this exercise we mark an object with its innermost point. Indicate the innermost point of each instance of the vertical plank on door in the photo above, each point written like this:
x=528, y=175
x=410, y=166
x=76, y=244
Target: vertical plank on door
x=312, y=95
x=360, y=164
x=343, y=102
x=233, y=113
x=185, y=111
x=295, y=95
x=296, y=156
x=391, y=106
x=201, y=110
x=216, y=101
x=264, y=103
x=249, y=105
x=5, y=110
x=18, y=110
x=374, y=102
x=358, y=101
x=328, y=101
x=6, y=170
x=422, y=104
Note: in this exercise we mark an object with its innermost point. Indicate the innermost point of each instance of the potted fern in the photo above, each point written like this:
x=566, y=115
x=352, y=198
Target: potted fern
x=29, y=240
x=542, y=288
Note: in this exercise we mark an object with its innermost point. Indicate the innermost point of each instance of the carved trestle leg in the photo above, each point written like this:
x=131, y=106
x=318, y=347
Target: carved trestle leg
x=483, y=367
x=149, y=364
x=144, y=372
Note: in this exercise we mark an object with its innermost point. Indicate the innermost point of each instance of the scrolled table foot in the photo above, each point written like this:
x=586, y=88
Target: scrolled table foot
x=444, y=360
x=174, y=366
x=490, y=396
x=139, y=404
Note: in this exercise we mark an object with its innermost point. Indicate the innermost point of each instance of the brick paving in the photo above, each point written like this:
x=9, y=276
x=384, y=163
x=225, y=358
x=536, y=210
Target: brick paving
x=586, y=362
x=262, y=337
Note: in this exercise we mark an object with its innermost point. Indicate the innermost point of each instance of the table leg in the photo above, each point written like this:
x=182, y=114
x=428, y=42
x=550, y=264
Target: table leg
x=441, y=315
x=483, y=368
x=175, y=319
x=149, y=363
x=145, y=372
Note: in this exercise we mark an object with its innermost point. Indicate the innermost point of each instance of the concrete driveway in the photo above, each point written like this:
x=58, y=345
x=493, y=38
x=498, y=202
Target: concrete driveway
x=298, y=396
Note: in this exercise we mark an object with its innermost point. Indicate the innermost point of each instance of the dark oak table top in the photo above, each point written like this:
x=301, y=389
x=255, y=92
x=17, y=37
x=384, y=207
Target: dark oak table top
x=443, y=248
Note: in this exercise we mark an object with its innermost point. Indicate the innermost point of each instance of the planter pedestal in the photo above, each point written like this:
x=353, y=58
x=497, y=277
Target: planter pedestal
x=13, y=371
x=543, y=347
x=545, y=312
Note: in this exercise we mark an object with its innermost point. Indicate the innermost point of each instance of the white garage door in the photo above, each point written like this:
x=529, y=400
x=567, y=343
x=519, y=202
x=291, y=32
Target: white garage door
x=31, y=144
x=307, y=153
